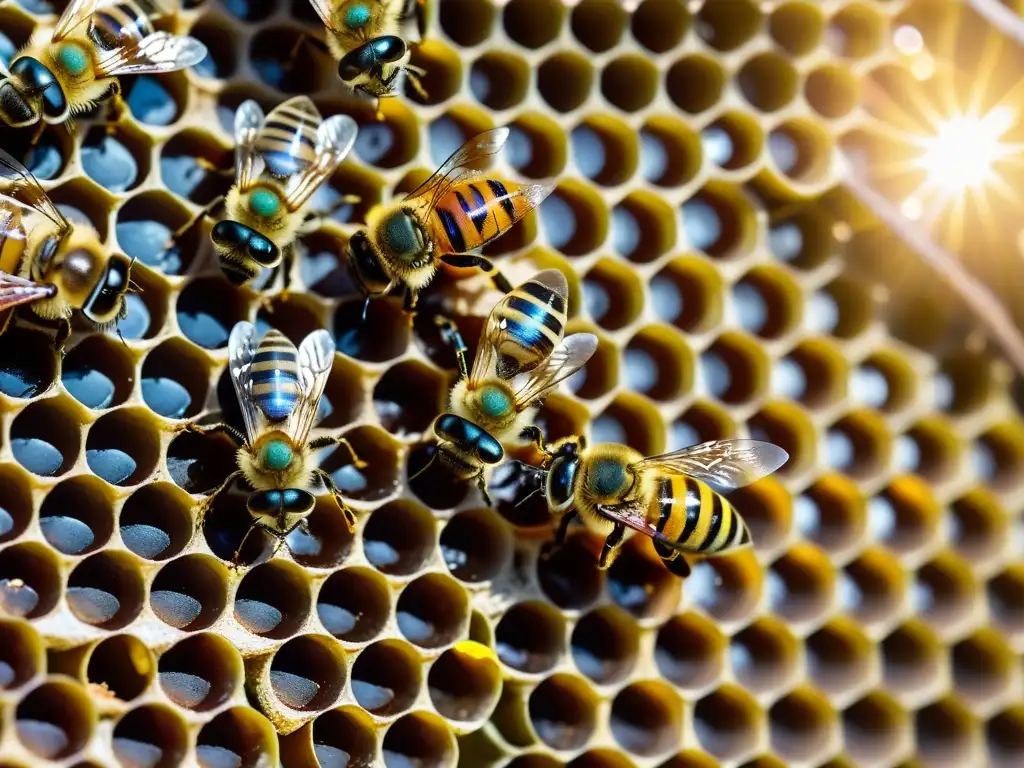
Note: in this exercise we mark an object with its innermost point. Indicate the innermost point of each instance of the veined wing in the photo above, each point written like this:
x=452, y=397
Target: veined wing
x=571, y=355
x=335, y=138
x=725, y=465
x=634, y=515
x=287, y=140
x=316, y=357
x=17, y=290
x=323, y=10
x=241, y=351
x=19, y=186
x=249, y=120
x=76, y=12
x=158, y=52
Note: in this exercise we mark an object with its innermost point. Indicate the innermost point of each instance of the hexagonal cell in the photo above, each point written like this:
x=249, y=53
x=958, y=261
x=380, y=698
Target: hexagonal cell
x=214, y=31
x=804, y=238
x=54, y=720
x=843, y=309
x=767, y=302
x=1003, y=736
x=733, y=369
x=419, y=738
x=386, y=677
x=646, y=718
x=1006, y=600
x=573, y=219
x=733, y=141
x=998, y=456
x=858, y=445
x=726, y=28
x=115, y=158
x=476, y=545
x=563, y=712
x=876, y=729
x=670, y=152
x=613, y=294
x=200, y=673
x=729, y=723
x=840, y=658
x=605, y=643
x=832, y=90
x=643, y=227
x=983, y=668
x=658, y=364
x=175, y=380
x=145, y=228
x=947, y=734
x=689, y=652
x=354, y=604
x=240, y=735
x=905, y=517
x=768, y=82
x=151, y=734
x=98, y=372
x=530, y=637
x=797, y=27
x=193, y=165
x=660, y=25
x=465, y=682
x=695, y=83
x=569, y=575
x=801, y=150
x=720, y=221
x=467, y=22
x=856, y=31
x=766, y=509
x=727, y=587
x=872, y=588
x=46, y=437
x=30, y=580
x=605, y=150
x=600, y=375
x=944, y=593
x=499, y=79
x=15, y=503
x=765, y=656
x=21, y=654
x=207, y=310
x=393, y=141
x=977, y=528
x=443, y=76
x=688, y=293
x=77, y=516
x=913, y=662
x=106, y=590
x=536, y=149
x=399, y=538
x=629, y=82
x=336, y=736
x=803, y=725
x=308, y=673
x=931, y=448
x=599, y=24
x=565, y=80
x=273, y=600
x=801, y=586
x=29, y=366
x=433, y=611
x=831, y=514
x=123, y=446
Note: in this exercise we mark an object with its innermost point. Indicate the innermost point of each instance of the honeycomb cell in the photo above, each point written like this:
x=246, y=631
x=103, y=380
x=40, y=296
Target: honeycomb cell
x=15, y=503
x=797, y=27
x=876, y=730
x=733, y=141
x=21, y=654
x=192, y=165
x=871, y=588
x=913, y=663
x=530, y=638
x=768, y=82
x=432, y=611
x=612, y=294
x=536, y=149
x=600, y=374
x=419, y=738
x=150, y=735
x=764, y=656
x=273, y=600
x=644, y=587
x=106, y=590
x=207, y=311
x=476, y=545
x=944, y=594
x=145, y=226
x=464, y=683
x=568, y=575
x=660, y=25
x=77, y=516
x=930, y=449
x=670, y=151
x=354, y=604
x=983, y=669
x=719, y=221
x=55, y=719
x=643, y=227
x=239, y=736
x=605, y=644
x=629, y=82
x=803, y=726
x=695, y=83
x=334, y=738
x=563, y=712
x=443, y=73
x=1003, y=738
x=147, y=309
x=117, y=160
x=998, y=455
x=599, y=24
x=390, y=326
x=190, y=593
x=658, y=364
x=858, y=445
x=856, y=31
x=729, y=723
x=30, y=580
x=1006, y=600
x=46, y=437
x=386, y=677
x=123, y=446
x=841, y=660
x=120, y=666
x=727, y=588
x=499, y=80
x=733, y=369
x=646, y=718
x=832, y=90
x=605, y=150
x=399, y=538
x=977, y=528
x=30, y=366
x=214, y=31
x=200, y=673
x=98, y=372
x=573, y=219
x=946, y=734
x=533, y=23
x=801, y=586
x=308, y=673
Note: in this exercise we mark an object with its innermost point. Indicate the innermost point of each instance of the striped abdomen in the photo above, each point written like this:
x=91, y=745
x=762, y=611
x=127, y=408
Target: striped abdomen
x=122, y=24
x=287, y=140
x=12, y=240
x=692, y=517
x=475, y=212
x=532, y=319
x=275, y=380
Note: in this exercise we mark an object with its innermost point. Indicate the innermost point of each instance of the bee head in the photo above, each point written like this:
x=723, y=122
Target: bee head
x=280, y=510
x=560, y=486
x=238, y=246
x=403, y=239
x=32, y=93
x=104, y=306
x=365, y=265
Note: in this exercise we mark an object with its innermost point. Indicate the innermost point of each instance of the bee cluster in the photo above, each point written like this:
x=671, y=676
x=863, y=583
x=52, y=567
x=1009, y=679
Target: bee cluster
x=290, y=517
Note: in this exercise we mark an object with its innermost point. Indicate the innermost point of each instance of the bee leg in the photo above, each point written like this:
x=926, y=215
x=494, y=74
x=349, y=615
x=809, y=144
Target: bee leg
x=217, y=429
x=185, y=228
x=207, y=503
x=412, y=298
x=611, y=544
x=287, y=262
x=450, y=335
x=563, y=527
x=328, y=481
x=38, y=133
x=6, y=321
x=485, y=265
x=413, y=75
x=116, y=106
x=325, y=442
x=677, y=565
x=63, y=334
x=535, y=436
x=481, y=483
x=238, y=549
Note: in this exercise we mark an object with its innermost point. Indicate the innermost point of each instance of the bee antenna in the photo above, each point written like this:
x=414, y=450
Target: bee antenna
x=425, y=468
x=121, y=337
x=527, y=497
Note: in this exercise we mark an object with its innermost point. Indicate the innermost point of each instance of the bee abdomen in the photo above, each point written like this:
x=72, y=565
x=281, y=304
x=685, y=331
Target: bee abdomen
x=475, y=212
x=115, y=26
x=287, y=141
x=275, y=379
x=697, y=518
x=533, y=317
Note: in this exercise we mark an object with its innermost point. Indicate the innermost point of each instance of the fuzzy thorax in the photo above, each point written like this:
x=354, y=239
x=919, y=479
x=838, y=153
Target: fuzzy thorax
x=603, y=479
x=281, y=227
x=470, y=405
x=76, y=269
x=255, y=462
x=82, y=88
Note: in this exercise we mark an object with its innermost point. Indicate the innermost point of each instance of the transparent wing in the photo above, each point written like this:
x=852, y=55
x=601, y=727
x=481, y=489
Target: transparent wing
x=323, y=10
x=76, y=12
x=335, y=138
x=19, y=186
x=634, y=515
x=725, y=465
x=316, y=356
x=467, y=161
x=159, y=52
x=16, y=290
x=241, y=350
x=249, y=120
x=568, y=357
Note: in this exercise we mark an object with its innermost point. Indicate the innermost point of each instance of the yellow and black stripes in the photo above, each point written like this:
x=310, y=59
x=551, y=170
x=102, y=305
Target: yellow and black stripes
x=274, y=376
x=123, y=24
x=473, y=213
x=692, y=517
x=533, y=318
x=287, y=140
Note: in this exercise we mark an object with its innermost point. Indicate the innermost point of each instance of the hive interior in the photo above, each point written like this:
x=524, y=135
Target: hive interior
x=878, y=621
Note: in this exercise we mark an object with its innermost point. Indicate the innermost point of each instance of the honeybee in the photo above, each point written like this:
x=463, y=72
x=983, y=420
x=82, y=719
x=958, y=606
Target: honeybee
x=451, y=213
x=675, y=498
x=47, y=263
x=279, y=389
x=67, y=70
x=368, y=38
x=281, y=159
x=522, y=355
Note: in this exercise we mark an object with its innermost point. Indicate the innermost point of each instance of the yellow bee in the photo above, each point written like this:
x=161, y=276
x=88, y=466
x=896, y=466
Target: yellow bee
x=453, y=212
x=522, y=355
x=47, y=263
x=368, y=38
x=675, y=498
x=279, y=389
x=281, y=159
x=67, y=70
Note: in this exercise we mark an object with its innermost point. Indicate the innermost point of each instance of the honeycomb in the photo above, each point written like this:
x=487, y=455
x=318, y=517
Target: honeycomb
x=736, y=289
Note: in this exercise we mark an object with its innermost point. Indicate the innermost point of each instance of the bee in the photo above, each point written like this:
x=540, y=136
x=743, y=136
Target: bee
x=65, y=71
x=453, y=212
x=522, y=355
x=279, y=389
x=368, y=39
x=281, y=159
x=51, y=265
x=675, y=498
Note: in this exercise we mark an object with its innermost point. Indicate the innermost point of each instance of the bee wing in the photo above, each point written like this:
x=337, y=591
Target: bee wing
x=19, y=186
x=334, y=140
x=158, y=52
x=466, y=161
x=725, y=465
x=76, y=12
x=249, y=120
x=416, y=18
x=633, y=514
x=17, y=290
x=316, y=356
x=568, y=357
x=323, y=10
x=241, y=349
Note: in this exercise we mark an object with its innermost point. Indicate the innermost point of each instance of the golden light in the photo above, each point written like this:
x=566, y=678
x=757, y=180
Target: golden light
x=965, y=149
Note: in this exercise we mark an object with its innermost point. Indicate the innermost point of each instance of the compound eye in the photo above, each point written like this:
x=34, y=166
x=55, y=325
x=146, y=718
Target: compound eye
x=560, y=484
x=107, y=299
x=393, y=50
x=348, y=70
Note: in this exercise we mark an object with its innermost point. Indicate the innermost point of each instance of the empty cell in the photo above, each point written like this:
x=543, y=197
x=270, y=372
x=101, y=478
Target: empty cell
x=499, y=79
x=727, y=587
x=806, y=239
x=389, y=338
x=658, y=364
x=156, y=100
x=612, y=294
x=432, y=611
x=574, y=219
x=117, y=161
x=767, y=302
x=29, y=366
x=256, y=10
x=599, y=24
x=106, y=590
x=536, y=149
x=688, y=293
x=565, y=81
x=399, y=538
x=376, y=479
x=802, y=726
x=1004, y=738
x=931, y=449
x=476, y=545
x=338, y=737
x=765, y=656
x=695, y=83
x=1006, y=600
x=599, y=376
x=690, y=652
x=55, y=720
x=983, y=667
x=733, y=369
x=660, y=25
x=281, y=60
x=857, y=31
x=766, y=509
x=563, y=712
x=831, y=514
x=814, y=374
x=200, y=673
x=21, y=654
x=216, y=34
x=631, y=421
x=643, y=227
x=904, y=517
x=386, y=677
x=768, y=82
x=273, y=600
x=240, y=737
x=123, y=446
x=326, y=540
x=719, y=220
x=630, y=82
x=977, y=528
x=77, y=516
x=840, y=658
x=726, y=27
x=420, y=739
x=533, y=23
x=788, y=427
x=947, y=734
x=145, y=228
x=832, y=90
x=465, y=682
x=146, y=311
x=207, y=310
x=797, y=27
x=354, y=604
x=646, y=718
x=885, y=381
x=98, y=372
x=530, y=637
x=733, y=141
x=308, y=673
x=46, y=158
x=801, y=150
x=801, y=585
x=728, y=723
x=30, y=580
x=872, y=587
x=388, y=143
x=605, y=644
x=121, y=666
x=875, y=729
x=294, y=316
x=46, y=437
x=199, y=463
x=15, y=503
x=449, y=132
x=858, y=445
x=175, y=380
x=467, y=22
x=963, y=383
x=913, y=659
x=944, y=593
x=643, y=586
x=998, y=456
x=569, y=574
x=670, y=152
x=605, y=150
